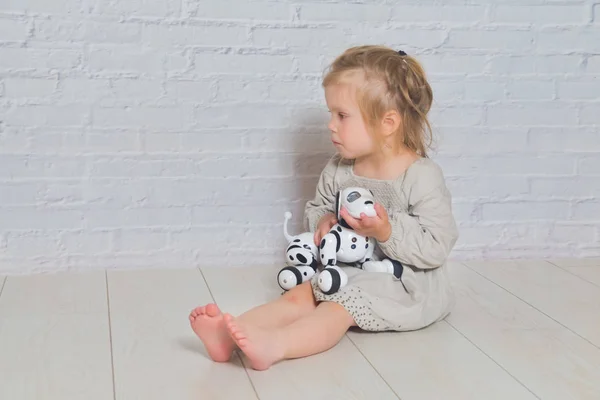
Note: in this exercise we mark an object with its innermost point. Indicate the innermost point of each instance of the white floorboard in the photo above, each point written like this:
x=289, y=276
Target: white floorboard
x=570, y=300
x=590, y=274
x=454, y=368
x=156, y=354
x=340, y=373
x=54, y=338
x=546, y=357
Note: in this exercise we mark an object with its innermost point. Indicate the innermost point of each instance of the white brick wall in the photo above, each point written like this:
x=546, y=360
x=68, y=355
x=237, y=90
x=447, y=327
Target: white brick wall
x=174, y=133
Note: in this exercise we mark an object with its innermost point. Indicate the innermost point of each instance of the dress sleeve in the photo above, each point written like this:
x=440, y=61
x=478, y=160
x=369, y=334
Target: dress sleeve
x=325, y=194
x=425, y=235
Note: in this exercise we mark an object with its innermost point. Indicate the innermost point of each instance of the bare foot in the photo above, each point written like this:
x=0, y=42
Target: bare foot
x=258, y=344
x=208, y=323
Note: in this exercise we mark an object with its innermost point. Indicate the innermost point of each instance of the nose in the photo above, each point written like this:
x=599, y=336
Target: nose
x=331, y=125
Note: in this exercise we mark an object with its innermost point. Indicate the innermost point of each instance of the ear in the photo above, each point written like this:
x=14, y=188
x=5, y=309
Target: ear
x=338, y=204
x=390, y=122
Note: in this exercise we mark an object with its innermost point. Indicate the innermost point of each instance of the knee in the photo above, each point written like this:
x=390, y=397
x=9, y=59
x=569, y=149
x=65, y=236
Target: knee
x=301, y=295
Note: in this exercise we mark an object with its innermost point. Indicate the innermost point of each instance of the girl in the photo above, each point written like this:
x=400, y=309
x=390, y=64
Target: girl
x=379, y=100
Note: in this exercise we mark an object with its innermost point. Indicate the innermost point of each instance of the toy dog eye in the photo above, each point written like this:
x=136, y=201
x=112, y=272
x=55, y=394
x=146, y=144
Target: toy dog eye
x=368, y=202
x=296, y=241
x=307, y=247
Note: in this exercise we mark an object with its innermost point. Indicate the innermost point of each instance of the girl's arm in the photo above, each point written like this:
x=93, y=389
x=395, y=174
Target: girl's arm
x=324, y=200
x=425, y=236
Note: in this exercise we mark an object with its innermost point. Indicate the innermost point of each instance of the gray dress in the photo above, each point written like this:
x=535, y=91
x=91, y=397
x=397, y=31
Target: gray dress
x=424, y=232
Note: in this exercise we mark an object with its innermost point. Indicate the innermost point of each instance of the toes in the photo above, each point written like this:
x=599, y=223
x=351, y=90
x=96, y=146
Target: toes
x=228, y=318
x=212, y=310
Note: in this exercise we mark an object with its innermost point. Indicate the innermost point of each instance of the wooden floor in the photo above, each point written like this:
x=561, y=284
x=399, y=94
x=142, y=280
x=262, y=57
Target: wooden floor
x=520, y=330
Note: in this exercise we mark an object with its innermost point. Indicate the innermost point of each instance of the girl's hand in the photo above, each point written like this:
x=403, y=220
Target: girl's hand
x=378, y=227
x=325, y=223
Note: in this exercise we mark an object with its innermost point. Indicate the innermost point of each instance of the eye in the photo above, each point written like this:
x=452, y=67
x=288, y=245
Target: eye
x=342, y=116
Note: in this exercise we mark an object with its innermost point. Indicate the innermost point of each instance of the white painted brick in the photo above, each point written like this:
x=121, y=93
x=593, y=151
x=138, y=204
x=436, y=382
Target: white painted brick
x=453, y=64
x=142, y=8
x=302, y=142
x=447, y=92
x=479, y=90
x=83, y=89
x=124, y=59
x=58, y=30
x=186, y=35
x=142, y=166
x=568, y=233
x=170, y=118
x=564, y=40
x=112, y=140
x=564, y=139
x=504, y=40
x=465, y=211
x=241, y=89
x=579, y=89
x=502, y=187
x=42, y=6
x=85, y=242
x=589, y=165
x=443, y=13
x=526, y=89
x=140, y=89
x=46, y=244
x=22, y=193
x=481, y=141
x=410, y=40
x=128, y=241
x=212, y=141
x=118, y=193
x=28, y=218
x=301, y=90
x=241, y=63
x=242, y=116
x=547, y=114
x=566, y=187
x=23, y=166
x=137, y=218
x=593, y=64
x=198, y=92
x=508, y=165
x=453, y=116
x=586, y=211
x=142, y=260
x=590, y=115
x=596, y=13
x=247, y=215
x=494, y=235
x=525, y=211
x=64, y=192
x=302, y=38
x=48, y=115
x=29, y=87
x=14, y=140
x=13, y=30
x=539, y=15
x=344, y=12
x=28, y=58
x=244, y=9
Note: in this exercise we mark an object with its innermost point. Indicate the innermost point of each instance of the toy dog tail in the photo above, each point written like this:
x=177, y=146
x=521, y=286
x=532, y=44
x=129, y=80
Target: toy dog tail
x=288, y=216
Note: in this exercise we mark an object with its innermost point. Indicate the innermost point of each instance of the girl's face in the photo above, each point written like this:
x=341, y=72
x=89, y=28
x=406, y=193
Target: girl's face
x=348, y=129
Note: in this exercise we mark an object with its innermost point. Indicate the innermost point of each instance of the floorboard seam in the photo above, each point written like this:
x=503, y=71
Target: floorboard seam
x=530, y=305
x=112, y=362
x=237, y=354
x=3, y=283
x=572, y=273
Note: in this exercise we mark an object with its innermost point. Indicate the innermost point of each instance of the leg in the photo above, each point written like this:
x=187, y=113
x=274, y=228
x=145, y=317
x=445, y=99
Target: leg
x=207, y=321
x=316, y=332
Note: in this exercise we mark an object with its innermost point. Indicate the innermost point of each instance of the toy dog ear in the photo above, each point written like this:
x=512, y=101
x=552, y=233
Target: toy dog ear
x=337, y=204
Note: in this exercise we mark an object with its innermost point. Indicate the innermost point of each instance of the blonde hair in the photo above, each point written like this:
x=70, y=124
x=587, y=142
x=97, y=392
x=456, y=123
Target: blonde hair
x=393, y=81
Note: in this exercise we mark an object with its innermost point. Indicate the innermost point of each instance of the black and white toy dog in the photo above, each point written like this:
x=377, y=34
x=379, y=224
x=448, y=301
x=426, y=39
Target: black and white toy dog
x=342, y=243
x=301, y=256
